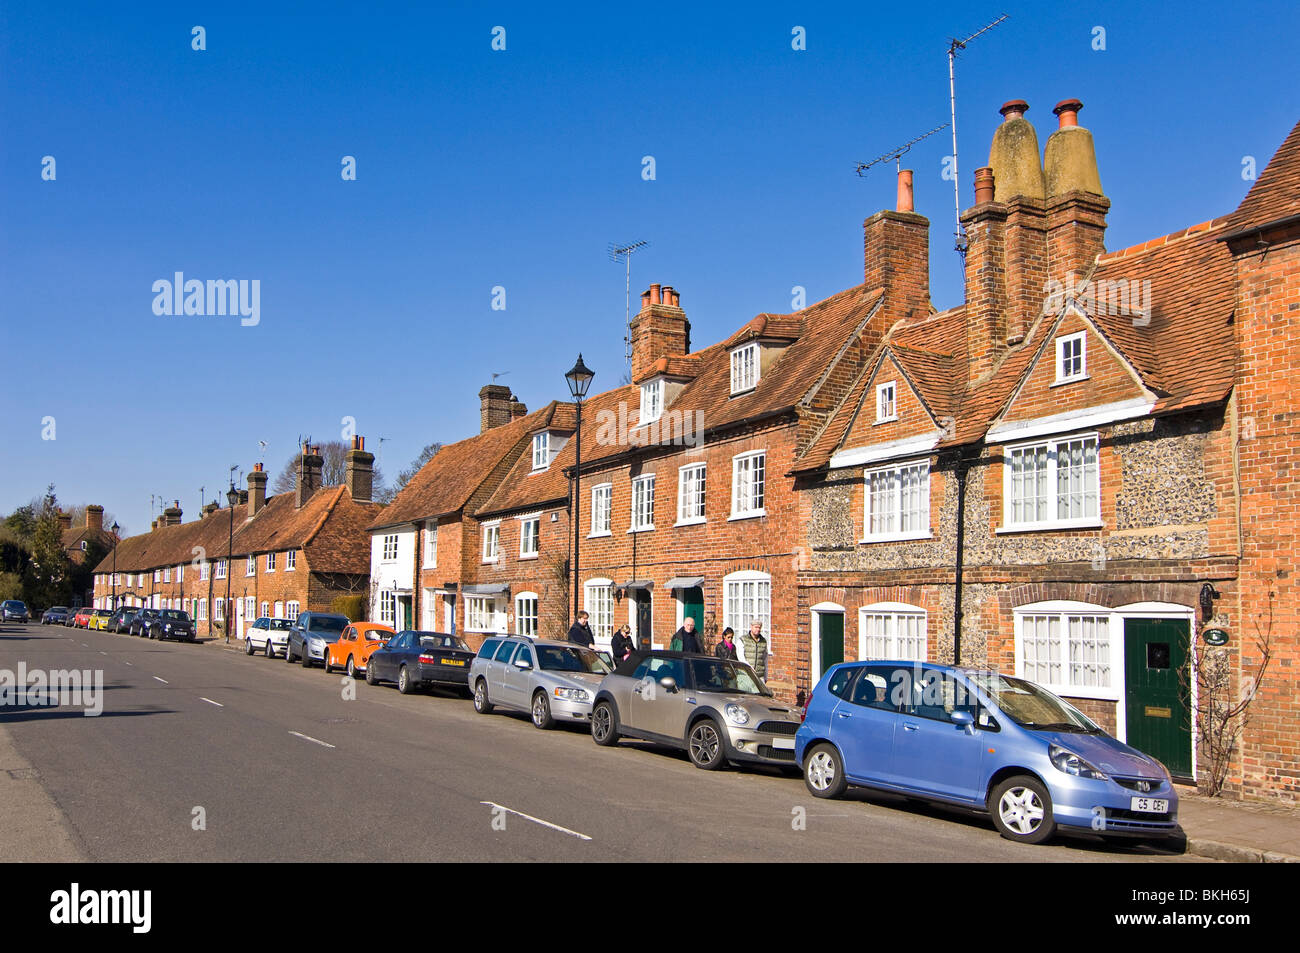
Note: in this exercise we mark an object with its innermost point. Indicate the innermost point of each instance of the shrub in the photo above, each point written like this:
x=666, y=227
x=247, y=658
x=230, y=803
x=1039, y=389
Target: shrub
x=354, y=607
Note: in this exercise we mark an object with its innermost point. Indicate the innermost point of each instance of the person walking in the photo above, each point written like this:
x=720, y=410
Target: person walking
x=756, y=649
x=726, y=647
x=580, y=631
x=686, y=639
x=621, y=645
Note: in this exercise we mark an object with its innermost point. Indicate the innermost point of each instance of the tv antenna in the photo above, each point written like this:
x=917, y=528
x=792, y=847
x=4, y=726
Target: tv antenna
x=897, y=154
x=954, y=47
x=202, y=496
x=494, y=380
x=625, y=252
x=262, y=445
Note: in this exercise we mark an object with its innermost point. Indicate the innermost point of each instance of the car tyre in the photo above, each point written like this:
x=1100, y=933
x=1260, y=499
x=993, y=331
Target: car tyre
x=823, y=771
x=288, y=651
x=269, y=652
x=604, y=724
x=248, y=646
x=352, y=666
x=325, y=662
x=705, y=745
x=481, y=703
x=542, y=717
x=371, y=677
x=1021, y=810
x=405, y=684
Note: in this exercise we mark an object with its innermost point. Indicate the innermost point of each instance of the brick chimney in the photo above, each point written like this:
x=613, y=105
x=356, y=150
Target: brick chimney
x=495, y=406
x=210, y=508
x=65, y=520
x=896, y=256
x=359, y=474
x=256, y=490
x=172, y=515
x=94, y=517
x=518, y=409
x=1076, y=205
x=309, y=474
x=659, y=329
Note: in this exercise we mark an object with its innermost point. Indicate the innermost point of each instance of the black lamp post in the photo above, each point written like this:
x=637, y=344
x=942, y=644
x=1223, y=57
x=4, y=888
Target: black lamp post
x=579, y=380
x=115, y=529
x=232, y=496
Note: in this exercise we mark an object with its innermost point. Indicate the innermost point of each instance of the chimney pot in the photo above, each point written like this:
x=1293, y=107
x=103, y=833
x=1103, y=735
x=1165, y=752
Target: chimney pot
x=1014, y=109
x=655, y=297
x=1067, y=111
x=983, y=185
x=905, y=191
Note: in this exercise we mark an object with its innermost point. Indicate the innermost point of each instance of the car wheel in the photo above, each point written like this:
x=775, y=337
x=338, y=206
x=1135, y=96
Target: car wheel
x=269, y=652
x=604, y=724
x=371, y=677
x=823, y=771
x=1022, y=810
x=542, y=711
x=481, y=703
x=248, y=646
x=288, y=651
x=352, y=666
x=704, y=745
x=405, y=684
x=325, y=662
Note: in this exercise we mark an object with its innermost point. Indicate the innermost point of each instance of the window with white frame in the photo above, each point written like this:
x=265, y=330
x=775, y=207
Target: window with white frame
x=291, y=610
x=526, y=614
x=156, y=574
x=747, y=598
x=482, y=614
x=886, y=402
x=601, y=498
x=387, y=607
x=203, y=570
x=744, y=368
x=251, y=568
x=390, y=547
x=180, y=572
x=270, y=562
x=643, y=502
x=431, y=546
x=748, y=476
x=221, y=569
x=250, y=608
x=167, y=574
x=690, y=493
x=1066, y=647
x=203, y=610
x=541, y=450
x=652, y=401
x=893, y=631
x=218, y=610
x=600, y=608
x=290, y=560
x=529, y=530
x=279, y=610
x=265, y=609
x=897, y=502
x=1071, y=357
x=491, y=542
x=1053, y=483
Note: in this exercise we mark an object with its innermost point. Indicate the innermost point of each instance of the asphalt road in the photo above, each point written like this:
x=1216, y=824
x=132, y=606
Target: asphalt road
x=279, y=765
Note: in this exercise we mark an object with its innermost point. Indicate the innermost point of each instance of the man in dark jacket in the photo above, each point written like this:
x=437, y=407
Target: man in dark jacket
x=687, y=637
x=580, y=632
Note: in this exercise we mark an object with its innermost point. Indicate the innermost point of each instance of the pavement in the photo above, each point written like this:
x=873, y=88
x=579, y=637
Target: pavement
x=1239, y=831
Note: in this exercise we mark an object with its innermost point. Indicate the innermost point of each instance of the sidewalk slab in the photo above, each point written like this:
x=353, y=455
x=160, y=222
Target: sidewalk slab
x=1239, y=831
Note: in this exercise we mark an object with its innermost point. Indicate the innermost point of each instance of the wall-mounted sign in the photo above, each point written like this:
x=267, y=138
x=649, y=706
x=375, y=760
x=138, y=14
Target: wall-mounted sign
x=1215, y=637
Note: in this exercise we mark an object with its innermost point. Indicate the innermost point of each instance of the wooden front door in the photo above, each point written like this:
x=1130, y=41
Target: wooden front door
x=1155, y=667
x=831, y=631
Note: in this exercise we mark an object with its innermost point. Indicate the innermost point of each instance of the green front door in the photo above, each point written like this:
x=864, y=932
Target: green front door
x=1155, y=656
x=693, y=607
x=832, y=639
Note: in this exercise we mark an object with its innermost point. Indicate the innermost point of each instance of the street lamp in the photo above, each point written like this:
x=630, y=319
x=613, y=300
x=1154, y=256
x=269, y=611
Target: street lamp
x=115, y=529
x=579, y=380
x=232, y=496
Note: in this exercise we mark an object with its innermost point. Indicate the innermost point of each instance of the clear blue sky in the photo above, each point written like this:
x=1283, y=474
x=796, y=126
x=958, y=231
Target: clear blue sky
x=478, y=168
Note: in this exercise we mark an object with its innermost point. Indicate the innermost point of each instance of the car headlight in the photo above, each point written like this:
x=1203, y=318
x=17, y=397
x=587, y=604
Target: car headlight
x=736, y=714
x=572, y=694
x=1063, y=759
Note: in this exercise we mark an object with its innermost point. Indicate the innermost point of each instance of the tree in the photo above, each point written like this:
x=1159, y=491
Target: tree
x=407, y=475
x=48, y=581
x=333, y=471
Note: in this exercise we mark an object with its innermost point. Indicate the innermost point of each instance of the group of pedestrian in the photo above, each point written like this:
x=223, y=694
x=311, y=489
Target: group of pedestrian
x=685, y=639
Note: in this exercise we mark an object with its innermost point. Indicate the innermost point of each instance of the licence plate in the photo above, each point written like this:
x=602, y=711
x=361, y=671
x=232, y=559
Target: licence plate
x=786, y=744
x=1149, y=805
x=454, y=661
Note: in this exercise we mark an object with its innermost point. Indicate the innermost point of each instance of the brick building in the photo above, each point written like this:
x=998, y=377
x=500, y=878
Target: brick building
x=292, y=552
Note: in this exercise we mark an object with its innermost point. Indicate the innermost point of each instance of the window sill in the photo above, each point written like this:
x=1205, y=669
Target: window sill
x=603, y=535
x=1062, y=381
x=756, y=514
x=885, y=420
x=641, y=529
x=490, y=562
x=1047, y=527
x=896, y=537
x=742, y=393
x=528, y=555
x=693, y=521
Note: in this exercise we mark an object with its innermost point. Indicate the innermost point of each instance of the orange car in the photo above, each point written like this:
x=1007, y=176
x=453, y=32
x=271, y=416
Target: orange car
x=352, y=650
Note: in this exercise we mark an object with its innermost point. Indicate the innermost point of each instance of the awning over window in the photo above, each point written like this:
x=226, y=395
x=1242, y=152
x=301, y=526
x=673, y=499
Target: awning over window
x=488, y=589
x=684, y=582
x=639, y=584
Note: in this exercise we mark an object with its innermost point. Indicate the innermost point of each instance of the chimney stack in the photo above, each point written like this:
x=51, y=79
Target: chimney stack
x=172, y=515
x=309, y=474
x=660, y=329
x=359, y=475
x=65, y=520
x=896, y=256
x=95, y=517
x=256, y=490
x=494, y=406
x=518, y=409
x=1076, y=205
x=211, y=508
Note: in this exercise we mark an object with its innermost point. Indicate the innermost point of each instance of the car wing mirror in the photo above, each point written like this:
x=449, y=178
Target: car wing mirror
x=962, y=718
x=669, y=683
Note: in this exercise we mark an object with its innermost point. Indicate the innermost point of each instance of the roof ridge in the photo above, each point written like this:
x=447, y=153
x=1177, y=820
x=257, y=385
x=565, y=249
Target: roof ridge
x=1162, y=240
x=329, y=508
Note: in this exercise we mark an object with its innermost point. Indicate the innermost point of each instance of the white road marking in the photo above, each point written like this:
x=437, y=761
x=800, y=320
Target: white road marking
x=323, y=744
x=211, y=702
x=536, y=820
x=130, y=663
x=163, y=680
x=103, y=653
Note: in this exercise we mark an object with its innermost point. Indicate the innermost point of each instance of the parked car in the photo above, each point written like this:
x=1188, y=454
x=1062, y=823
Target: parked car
x=310, y=633
x=14, y=610
x=99, y=619
x=718, y=710
x=269, y=635
x=552, y=681
x=143, y=619
x=358, y=642
x=981, y=740
x=81, y=620
x=416, y=660
x=55, y=615
x=170, y=624
x=120, y=621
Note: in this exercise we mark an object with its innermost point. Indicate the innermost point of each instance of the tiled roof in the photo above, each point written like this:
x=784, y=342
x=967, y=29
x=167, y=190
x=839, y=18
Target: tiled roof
x=1276, y=193
x=446, y=483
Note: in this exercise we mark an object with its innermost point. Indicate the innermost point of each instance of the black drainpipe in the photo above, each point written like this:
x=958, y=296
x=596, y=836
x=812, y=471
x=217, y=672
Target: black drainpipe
x=963, y=471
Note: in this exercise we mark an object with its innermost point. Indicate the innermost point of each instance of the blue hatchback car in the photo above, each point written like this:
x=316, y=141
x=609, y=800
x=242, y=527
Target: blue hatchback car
x=982, y=740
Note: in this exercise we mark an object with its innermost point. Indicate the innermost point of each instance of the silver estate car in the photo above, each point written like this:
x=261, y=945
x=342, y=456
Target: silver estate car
x=552, y=681
x=717, y=709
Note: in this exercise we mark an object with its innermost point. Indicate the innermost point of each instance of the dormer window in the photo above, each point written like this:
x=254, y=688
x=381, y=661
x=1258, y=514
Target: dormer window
x=541, y=450
x=744, y=368
x=652, y=401
x=886, y=402
x=1071, y=358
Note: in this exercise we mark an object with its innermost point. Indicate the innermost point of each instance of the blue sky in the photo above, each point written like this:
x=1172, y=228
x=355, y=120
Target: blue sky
x=479, y=168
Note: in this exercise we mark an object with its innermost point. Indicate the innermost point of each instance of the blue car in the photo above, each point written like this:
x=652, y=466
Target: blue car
x=982, y=740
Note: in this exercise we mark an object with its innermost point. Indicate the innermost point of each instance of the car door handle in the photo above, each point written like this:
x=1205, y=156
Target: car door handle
x=843, y=714
x=910, y=727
